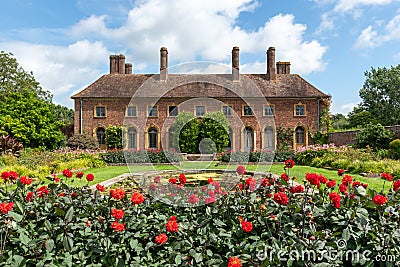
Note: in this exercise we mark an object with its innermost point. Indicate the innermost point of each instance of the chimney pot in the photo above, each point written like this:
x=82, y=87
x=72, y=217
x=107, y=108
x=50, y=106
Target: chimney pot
x=283, y=67
x=271, y=71
x=121, y=64
x=163, y=63
x=113, y=64
x=235, y=63
x=128, y=68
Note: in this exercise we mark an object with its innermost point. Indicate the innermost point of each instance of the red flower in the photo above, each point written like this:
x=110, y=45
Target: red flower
x=157, y=179
x=241, y=170
x=87, y=223
x=210, y=200
x=251, y=183
x=161, y=239
x=117, y=213
x=297, y=189
x=322, y=179
x=265, y=182
x=247, y=226
x=356, y=184
x=42, y=191
x=89, y=177
x=73, y=194
x=100, y=187
x=182, y=179
x=331, y=183
x=25, y=180
x=29, y=196
x=379, y=199
x=172, y=225
x=387, y=176
x=172, y=180
x=12, y=175
x=210, y=180
x=347, y=179
x=117, y=193
x=67, y=173
x=193, y=199
x=6, y=207
x=61, y=194
x=118, y=226
x=289, y=163
x=5, y=176
x=56, y=179
x=285, y=177
x=396, y=185
x=313, y=179
x=281, y=198
x=343, y=188
x=79, y=175
x=335, y=198
x=365, y=185
x=234, y=262
x=137, y=198
x=340, y=172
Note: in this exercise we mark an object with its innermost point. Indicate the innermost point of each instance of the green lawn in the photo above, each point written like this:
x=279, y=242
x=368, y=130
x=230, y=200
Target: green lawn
x=105, y=173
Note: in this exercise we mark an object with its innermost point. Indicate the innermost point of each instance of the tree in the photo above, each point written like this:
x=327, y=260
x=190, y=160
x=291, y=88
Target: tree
x=359, y=118
x=339, y=122
x=214, y=128
x=381, y=95
x=26, y=111
x=185, y=132
x=64, y=114
x=374, y=136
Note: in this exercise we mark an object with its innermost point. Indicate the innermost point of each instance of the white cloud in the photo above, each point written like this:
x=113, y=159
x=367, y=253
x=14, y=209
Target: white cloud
x=348, y=5
x=342, y=108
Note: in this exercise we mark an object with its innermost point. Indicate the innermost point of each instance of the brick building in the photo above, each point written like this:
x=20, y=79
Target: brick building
x=147, y=104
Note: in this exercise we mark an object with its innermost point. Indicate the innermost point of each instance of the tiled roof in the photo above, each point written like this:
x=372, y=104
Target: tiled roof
x=199, y=85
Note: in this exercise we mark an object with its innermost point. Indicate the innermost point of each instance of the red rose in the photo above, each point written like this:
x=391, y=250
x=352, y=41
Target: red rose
x=343, y=188
x=387, y=176
x=137, y=198
x=356, y=184
x=322, y=179
x=340, y=172
x=396, y=185
x=289, y=163
x=67, y=173
x=335, y=198
x=172, y=180
x=161, y=239
x=6, y=207
x=247, y=226
x=5, y=176
x=297, y=189
x=73, y=194
x=285, y=177
x=379, y=199
x=365, y=185
x=25, y=180
x=12, y=175
x=41, y=191
x=234, y=262
x=281, y=198
x=157, y=179
x=331, y=183
x=61, y=194
x=210, y=180
x=210, y=200
x=89, y=177
x=117, y=213
x=347, y=179
x=56, y=179
x=118, y=226
x=313, y=179
x=117, y=193
x=241, y=170
x=87, y=223
x=265, y=182
x=100, y=187
x=182, y=179
x=29, y=197
x=172, y=225
x=193, y=199
x=79, y=175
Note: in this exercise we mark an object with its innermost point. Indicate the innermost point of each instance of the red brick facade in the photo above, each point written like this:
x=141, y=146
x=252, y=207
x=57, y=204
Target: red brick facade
x=283, y=91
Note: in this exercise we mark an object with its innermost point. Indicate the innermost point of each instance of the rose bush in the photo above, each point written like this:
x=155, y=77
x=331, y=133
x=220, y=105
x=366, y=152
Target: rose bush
x=58, y=225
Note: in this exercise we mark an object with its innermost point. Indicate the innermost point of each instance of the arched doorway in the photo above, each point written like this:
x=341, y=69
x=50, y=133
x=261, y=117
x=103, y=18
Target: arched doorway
x=300, y=137
x=101, y=136
x=153, y=138
x=248, y=139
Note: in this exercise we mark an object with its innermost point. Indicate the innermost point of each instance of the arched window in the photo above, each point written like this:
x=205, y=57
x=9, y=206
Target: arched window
x=248, y=139
x=300, y=135
x=132, y=138
x=269, y=138
x=101, y=135
x=171, y=139
x=229, y=146
x=153, y=137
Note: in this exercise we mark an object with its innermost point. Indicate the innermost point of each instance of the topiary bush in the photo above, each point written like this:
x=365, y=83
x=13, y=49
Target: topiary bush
x=394, y=149
x=82, y=141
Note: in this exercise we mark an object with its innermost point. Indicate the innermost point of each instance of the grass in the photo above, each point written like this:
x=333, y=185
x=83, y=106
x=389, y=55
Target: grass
x=105, y=173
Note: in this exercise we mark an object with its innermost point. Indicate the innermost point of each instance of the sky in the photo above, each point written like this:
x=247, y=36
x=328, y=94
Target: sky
x=67, y=44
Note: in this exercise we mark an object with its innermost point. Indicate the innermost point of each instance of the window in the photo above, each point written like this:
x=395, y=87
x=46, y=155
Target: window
x=248, y=139
x=131, y=111
x=299, y=135
x=269, y=138
x=132, y=138
x=200, y=111
x=152, y=111
x=229, y=146
x=153, y=138
x=172, y=111
x=248, y=111
x=269, y=110
x=227, y=110
x=101, y=136
x=100, y=111
x=300, y=110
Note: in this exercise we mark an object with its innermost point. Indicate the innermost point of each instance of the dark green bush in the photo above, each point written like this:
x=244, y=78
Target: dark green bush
x=394, y=149
x=82, y=141
x=374, y=136
x=141, y=156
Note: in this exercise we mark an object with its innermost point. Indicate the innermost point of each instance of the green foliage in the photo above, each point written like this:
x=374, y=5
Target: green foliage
x=114, y=137
x=214, y=126
x=284, y=138
x=359, y=118
x=82, y=141
x=374, y=136
x=394, y=149
x=9, y=145
x=319, y=138
x=64, y=114
x=339, y=122
x=325, y=120
x=381, y=96
x=256, y=156
x=141, y=156
x=185, y=132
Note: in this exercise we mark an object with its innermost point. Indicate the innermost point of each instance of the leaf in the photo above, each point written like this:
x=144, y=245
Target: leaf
x=17, y=217
x=70, y=214
x=48, y=226
x=178, y=259
x=68, y=243
x=19, y=260
x=19, y=205
x=24, y=238
x=59, y=211
x=346, y=234
x=50, y=245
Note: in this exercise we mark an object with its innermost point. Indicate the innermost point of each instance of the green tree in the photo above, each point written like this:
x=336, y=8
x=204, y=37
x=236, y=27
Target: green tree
x=214, y=127
x=185, y=132
x=380, y=94
x=114, y=136
x=339, y=122
x=64, y=114
x=26, y=110
x=359, y=118
x=374, y=136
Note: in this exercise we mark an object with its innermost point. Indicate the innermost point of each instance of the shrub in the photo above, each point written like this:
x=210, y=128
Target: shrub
x=394, y=149
x=214, y=127
x=114, y=137
x=82, y=141
x=141, y=156
x=9, y=145
x=374, y=136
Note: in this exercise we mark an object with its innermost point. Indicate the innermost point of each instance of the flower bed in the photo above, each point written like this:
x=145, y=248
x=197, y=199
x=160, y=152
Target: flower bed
x=266, y=222
x=141, y=156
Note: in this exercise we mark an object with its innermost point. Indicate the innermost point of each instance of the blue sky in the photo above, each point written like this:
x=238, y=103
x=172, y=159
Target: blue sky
x=66, y=44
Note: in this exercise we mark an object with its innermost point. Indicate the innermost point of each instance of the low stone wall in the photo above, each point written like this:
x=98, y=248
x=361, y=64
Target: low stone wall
x=348, y=137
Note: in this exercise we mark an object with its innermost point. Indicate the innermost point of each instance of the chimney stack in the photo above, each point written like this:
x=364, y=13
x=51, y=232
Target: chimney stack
x=113, y=64
x=271, y=71
x=121, y=64
x=117, y=64
x=283, y=67
x=235, y=63
x=128, y=68
x=163, y=63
